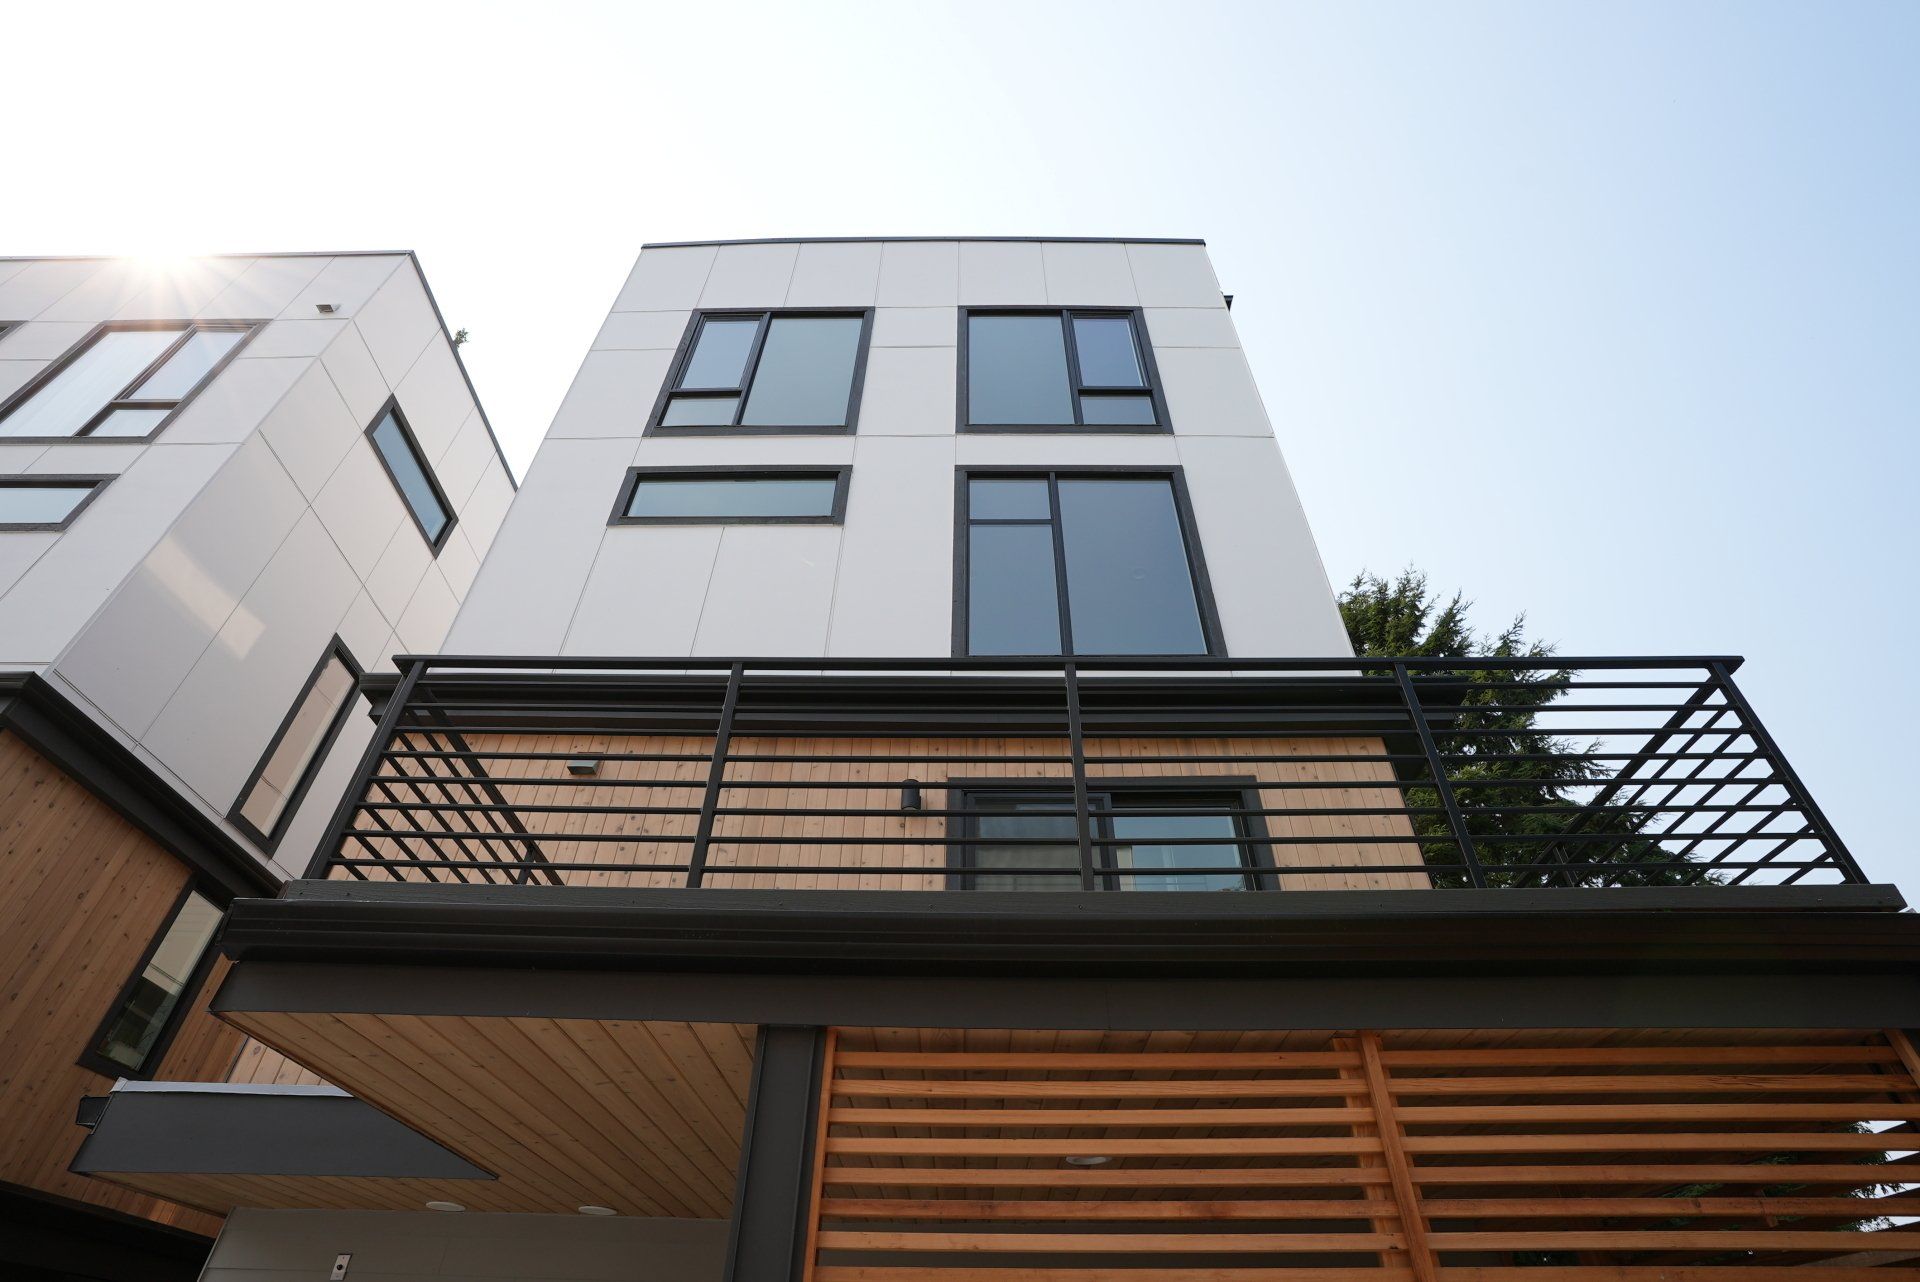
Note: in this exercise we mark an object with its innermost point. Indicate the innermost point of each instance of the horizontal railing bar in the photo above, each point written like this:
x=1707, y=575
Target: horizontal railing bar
x=1338, y=663
x=1130, y=812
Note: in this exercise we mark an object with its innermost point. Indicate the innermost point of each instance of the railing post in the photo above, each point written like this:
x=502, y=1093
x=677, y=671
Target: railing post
x=716, y=776
x=1723, y=677
x=334, y=839
x=1456, y=821
x=1077, y=749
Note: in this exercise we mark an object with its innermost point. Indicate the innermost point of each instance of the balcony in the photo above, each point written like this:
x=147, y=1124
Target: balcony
x=1142, y=775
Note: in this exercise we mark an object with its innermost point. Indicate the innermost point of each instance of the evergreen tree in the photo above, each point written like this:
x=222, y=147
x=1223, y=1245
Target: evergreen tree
x=1535, y=797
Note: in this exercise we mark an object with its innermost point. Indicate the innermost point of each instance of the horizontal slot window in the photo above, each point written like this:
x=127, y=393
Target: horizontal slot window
x=703, y=496
x=45, y=502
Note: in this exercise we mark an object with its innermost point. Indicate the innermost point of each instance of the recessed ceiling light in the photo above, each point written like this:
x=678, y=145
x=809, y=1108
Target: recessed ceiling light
x=598, y=1210
x=326, y=309
x=445, y=1206
x=1088, y=1159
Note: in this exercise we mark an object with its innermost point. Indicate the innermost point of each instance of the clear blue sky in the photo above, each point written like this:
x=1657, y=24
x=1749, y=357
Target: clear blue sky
x=1608, y=313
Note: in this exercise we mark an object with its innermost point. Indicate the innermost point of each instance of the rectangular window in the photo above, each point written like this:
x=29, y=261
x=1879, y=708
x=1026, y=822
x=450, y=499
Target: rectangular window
x=710, y=496
x=400, y=454
x=1029, y=370
x=135, y=1032
x=1144, y=838
x=267, y=803
x=123, y=381
x=766, y=372
x=47, y=502
x=1094, y=564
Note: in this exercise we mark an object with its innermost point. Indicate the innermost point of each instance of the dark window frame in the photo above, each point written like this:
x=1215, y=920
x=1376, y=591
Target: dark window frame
x=91, y=1059
x=842, y=475
x=683, y=356
x=54, y=480
x=392, y=406
x=1142, y=346
x=1242, y=791
x=122, y=400
x=269, y=842
x=1210, y=629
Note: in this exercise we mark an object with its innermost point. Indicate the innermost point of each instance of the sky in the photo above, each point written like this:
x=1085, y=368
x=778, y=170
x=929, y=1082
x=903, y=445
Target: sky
x=1607, y=314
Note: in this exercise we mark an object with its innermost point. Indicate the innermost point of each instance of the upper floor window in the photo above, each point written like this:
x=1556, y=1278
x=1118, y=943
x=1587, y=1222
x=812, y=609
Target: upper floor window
x=122, y=382
x=1094, y=563
x=45, y=502
x=1028, y=370
x=766, y=372
x=721, y=496
x=407, y=468
x=134, y=1034
x=267, y=803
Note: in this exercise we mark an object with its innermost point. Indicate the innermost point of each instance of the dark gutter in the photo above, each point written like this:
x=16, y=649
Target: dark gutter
x=1140, y=935
x=56, y=728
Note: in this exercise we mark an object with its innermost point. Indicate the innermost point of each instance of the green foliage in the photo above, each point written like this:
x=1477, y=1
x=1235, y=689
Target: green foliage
x=1505, y=799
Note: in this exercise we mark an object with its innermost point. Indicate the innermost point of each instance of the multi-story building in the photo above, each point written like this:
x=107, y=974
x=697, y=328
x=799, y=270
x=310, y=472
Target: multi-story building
x=229, y=488
x=898, y=802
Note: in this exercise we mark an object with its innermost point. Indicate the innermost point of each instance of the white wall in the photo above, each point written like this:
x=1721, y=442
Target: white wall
x=427, y=1246
x=188, y=604
x=562, y=581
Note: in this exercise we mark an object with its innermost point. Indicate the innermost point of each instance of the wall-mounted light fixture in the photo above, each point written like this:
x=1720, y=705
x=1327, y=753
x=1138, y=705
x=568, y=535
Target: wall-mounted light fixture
x=910, y=794
x=583, y=766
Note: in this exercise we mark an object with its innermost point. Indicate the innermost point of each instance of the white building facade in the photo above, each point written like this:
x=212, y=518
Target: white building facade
x=864, y=343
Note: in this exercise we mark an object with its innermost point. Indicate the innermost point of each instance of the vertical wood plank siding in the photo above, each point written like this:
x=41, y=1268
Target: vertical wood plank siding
x=805, y=777
x=86, y=893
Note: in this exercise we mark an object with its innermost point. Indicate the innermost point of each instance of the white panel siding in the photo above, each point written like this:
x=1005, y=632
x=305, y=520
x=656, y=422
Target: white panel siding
x=895, y=587
x=531, y=582
x=883, y=583
x=189, y=602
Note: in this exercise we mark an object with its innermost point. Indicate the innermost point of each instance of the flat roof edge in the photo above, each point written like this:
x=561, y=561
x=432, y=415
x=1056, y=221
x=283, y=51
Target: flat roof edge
x=867, y=240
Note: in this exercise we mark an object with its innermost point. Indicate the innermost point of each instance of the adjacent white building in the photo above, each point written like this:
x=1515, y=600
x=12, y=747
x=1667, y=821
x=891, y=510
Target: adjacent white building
x=211, y=516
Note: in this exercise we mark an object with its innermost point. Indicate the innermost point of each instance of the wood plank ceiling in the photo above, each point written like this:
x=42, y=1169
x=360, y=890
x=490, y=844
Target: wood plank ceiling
x=642, y=1117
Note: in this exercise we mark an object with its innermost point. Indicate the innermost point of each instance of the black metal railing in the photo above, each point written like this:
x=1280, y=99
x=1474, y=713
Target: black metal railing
x=1215, y=774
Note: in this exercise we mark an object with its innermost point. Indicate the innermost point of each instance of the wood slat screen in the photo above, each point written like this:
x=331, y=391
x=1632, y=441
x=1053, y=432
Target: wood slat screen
x=1367, y=1157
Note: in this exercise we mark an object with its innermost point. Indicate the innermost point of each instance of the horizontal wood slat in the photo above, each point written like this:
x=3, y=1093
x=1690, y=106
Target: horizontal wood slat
x=1648, y=1162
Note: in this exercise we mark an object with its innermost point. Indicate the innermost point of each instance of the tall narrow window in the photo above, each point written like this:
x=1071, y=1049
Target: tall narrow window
x=1048, y=370
x=45, y=502
x=1064, y=564
x=122, y=382
x=400, y=454
x=766, y=372
x=135, y=1031
x=267, y=803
